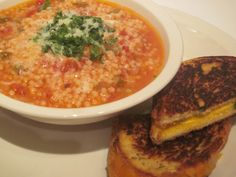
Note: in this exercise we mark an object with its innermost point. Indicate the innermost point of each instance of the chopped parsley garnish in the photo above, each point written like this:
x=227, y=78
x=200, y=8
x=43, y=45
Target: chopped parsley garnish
x=111, y=41
x=45, y=5
x=69, y=35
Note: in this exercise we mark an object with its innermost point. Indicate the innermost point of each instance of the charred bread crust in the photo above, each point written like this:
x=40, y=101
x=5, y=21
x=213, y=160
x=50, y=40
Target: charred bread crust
x=193, y=155
x=200, y=83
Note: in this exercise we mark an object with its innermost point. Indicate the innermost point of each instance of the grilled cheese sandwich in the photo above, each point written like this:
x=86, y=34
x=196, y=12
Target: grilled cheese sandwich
x=133, y=154
x=202, y=93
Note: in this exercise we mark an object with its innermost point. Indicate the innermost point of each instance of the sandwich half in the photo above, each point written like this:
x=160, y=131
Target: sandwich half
x=133, y=154
x=203, y=92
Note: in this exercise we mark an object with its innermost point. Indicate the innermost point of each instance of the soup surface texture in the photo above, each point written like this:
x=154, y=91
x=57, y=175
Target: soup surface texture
x=75, y=53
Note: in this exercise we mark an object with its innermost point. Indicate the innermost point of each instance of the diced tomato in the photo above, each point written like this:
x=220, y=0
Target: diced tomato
x=35, y=8
x=55, y=66
x=124, y=46
x=47, y=93
x=65, y=66
x=6, y=31
x=93, y=13
x=67, y=85
x=40, y=2
x=126, y=49
x=44, y=63
x=123, y=33
x=32, y=11
x=19, y=89
x=122, y=42
x=69, y=65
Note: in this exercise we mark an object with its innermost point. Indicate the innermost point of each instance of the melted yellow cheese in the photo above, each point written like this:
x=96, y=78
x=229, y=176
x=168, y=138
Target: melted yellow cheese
x=198, y=122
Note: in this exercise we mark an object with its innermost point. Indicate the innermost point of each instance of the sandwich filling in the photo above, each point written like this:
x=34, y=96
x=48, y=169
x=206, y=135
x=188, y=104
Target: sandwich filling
x=197, y=121
x=203, y=92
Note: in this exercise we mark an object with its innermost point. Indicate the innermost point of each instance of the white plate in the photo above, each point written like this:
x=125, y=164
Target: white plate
x=31, y=149
x=201, y=39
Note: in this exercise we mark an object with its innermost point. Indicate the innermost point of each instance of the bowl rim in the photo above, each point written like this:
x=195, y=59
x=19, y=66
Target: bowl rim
x=89, y=114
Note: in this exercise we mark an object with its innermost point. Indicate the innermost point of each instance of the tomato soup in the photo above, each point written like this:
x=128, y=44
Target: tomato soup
x=76, y=53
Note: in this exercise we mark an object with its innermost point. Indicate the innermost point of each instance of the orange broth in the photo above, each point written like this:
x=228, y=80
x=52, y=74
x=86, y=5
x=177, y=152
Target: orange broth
x=47, y=79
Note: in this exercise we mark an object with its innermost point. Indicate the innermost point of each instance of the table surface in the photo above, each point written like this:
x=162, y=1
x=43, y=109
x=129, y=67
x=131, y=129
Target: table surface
x=220, y=13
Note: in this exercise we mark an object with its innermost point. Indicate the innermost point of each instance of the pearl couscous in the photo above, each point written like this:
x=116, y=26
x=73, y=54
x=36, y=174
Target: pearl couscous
x=76, y=53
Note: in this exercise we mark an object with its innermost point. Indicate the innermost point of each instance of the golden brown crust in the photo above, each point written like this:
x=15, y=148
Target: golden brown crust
x=194, y=155
x=200, y=84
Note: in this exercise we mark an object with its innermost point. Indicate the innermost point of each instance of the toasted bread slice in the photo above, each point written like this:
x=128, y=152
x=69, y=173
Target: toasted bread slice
x=203, y=92
x=132, y=153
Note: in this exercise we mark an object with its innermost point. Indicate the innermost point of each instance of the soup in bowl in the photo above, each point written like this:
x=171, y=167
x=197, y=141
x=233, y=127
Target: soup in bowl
x=77, y=61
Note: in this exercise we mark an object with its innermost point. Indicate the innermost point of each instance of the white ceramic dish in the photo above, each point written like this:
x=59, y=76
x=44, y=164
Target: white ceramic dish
x=173, y=57
x=31, y=149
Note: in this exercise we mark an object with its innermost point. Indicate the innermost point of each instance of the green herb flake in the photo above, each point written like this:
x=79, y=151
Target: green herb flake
x=96, y=52
x=69, y=34
x=109, y=28
x=45, y=5
x=111, y=41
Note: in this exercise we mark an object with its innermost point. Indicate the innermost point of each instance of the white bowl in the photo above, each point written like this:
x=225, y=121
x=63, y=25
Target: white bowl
x=173, y=57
